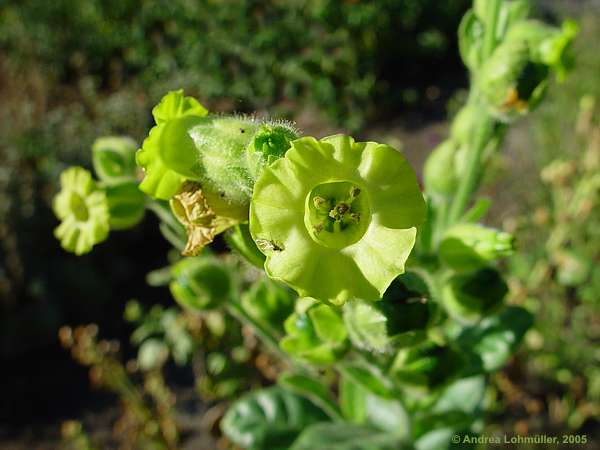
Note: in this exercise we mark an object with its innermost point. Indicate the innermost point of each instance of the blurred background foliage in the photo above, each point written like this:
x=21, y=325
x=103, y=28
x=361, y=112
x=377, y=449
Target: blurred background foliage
x=73, y=70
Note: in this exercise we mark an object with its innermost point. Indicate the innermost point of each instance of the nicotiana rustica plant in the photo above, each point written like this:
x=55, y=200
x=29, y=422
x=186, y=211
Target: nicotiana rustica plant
x=399, y=316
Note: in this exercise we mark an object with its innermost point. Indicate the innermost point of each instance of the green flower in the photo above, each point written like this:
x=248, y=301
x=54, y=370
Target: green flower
x=83, y=209
x=337, y=218
x=160, y=180
x=114, y=159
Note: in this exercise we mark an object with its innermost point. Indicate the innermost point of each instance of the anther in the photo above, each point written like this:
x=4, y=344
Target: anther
x=321, y=204
x=354, y=191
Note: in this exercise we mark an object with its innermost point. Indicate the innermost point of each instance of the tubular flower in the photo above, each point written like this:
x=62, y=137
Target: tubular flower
x=83, y=209
x=160, y=180
x=336, y=218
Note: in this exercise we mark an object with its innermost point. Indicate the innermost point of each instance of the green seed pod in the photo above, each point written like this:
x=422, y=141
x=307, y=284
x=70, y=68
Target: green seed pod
x=465, y=121
x=201, y=283
x=83, y=210
x=125, y=205
x=471, y=296
x=387, y=325
x=114, y=159
x=471, y=246
x=315, y=333
x=427, y=365
x=440, y=173
x=337, y=218
x=511, y=83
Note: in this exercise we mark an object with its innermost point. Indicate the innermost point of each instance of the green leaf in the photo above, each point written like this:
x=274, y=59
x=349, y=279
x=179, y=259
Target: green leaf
x=496, y=338
x=388, y=414
x=268, y=303
x=455, y=411
x=312, y=389
x=270, y=418
x=353, y=400
x=341, y=436
x=386, y=325
x=478, y=210
x=367, y=380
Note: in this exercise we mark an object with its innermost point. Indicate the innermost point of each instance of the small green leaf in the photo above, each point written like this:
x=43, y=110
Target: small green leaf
x=268, y=303
x=496, y=338
x=270, y=418
x=368, y=381
x=341, y=436
x=312, y=389
x=353, y=400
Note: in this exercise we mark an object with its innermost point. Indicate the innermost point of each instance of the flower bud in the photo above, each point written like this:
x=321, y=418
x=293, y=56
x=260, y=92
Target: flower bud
x=439, y=173
x=315, y=333
x=470, y=246
x=200, y=283
x=471, y=296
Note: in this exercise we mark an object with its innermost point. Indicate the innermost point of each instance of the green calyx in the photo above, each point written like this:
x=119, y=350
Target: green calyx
x=315, y=333
x=83, y=210
x=200, y=283
x=336, y=218
x=514, y=79
x=471, y=296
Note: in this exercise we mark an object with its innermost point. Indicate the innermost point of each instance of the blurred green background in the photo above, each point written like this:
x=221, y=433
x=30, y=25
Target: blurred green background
x=73, y=70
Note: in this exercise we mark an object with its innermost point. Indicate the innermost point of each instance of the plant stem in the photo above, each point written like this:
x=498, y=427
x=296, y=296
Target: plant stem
x=490, y=33
x=236, y=310
x=472, y=172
